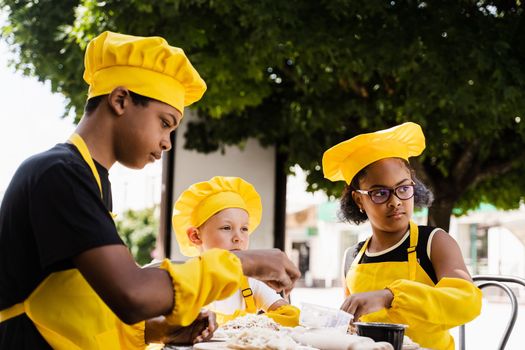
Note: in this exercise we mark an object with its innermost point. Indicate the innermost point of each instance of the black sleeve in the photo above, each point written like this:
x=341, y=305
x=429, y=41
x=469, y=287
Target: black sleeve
x=68, y=215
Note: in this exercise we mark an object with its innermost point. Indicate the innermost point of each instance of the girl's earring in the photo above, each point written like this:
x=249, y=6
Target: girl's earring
x=361, y=210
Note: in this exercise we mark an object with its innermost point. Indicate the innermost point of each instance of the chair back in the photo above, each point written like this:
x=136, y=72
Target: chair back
x=501, y=282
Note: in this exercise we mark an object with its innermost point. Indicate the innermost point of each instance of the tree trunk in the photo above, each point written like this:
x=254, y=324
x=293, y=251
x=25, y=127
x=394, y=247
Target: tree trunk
x=279, y=222
x=439, y=213
x=163, y=248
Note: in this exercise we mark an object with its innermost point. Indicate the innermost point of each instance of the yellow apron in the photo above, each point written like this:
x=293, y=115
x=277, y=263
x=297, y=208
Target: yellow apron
x=67, y=311
x=376, y=276
x=286, y=315
x=247, y=294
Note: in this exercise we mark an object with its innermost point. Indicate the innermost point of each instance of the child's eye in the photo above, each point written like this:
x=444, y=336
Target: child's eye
x=404, y=188
x=226, y=228
x=380, y=193
x=245, y=229
x=165, y=124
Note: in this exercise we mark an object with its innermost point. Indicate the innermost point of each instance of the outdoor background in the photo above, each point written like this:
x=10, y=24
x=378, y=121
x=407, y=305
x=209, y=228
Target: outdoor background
x=301, y=86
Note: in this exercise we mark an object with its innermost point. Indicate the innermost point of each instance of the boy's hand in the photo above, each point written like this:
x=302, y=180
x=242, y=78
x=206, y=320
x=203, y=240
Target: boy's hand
x=159, y=331
x=271, y=266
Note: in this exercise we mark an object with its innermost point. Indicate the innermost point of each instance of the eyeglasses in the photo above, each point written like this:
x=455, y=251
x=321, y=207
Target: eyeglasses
x=382, y=195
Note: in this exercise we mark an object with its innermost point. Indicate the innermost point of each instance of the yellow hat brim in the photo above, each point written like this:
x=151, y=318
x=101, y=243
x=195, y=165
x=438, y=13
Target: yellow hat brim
x=165, y=89
x=148, y=66
x=344, y=160
x=204, y=199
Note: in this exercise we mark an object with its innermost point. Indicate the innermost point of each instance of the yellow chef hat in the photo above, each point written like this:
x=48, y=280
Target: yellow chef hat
x=148, y=66
x=344, y=160
x=204, y=199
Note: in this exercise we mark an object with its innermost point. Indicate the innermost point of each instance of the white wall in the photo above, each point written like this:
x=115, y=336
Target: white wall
x=326, y=251
x=135, y=189
x=506, y=254
x=253, y=163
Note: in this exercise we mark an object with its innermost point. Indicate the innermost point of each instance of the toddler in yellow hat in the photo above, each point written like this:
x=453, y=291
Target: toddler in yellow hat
x=403, y=273
x=222, y=213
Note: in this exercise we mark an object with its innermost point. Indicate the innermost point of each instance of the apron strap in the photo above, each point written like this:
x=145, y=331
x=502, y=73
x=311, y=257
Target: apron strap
x=79, y=143
x=247, y=294
x=12, y=311
x=360, y=254
x=411, y=251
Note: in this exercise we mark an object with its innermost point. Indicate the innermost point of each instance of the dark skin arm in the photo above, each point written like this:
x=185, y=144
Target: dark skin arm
x=132, y=293
x=446, y=257
x=159, y=331
x=135, y=294
x=271, y=266
x=447, y=261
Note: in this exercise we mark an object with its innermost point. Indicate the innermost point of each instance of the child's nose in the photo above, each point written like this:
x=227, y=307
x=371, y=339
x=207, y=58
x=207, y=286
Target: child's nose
x=165, y=143
x=394, y=201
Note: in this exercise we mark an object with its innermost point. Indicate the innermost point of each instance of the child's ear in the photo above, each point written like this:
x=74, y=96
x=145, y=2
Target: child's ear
x=194, y=235
x=357, y=199
x=118, y=99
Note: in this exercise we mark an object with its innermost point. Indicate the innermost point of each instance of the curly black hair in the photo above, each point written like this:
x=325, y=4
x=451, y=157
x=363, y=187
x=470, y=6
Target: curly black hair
x=349, y=211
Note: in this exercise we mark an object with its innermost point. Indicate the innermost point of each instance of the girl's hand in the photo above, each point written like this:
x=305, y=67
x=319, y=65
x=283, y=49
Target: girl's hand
x=365, y=303
x=159, y=331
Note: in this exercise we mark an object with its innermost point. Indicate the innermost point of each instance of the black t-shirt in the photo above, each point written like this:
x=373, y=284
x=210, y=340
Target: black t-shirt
x=51, y=211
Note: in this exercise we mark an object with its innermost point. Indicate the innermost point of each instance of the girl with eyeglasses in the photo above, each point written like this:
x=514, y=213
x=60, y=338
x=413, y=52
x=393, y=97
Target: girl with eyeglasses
x=403, y=273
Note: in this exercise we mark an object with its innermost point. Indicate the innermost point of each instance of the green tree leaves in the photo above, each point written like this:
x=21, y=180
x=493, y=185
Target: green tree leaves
x=138, y=229
x=305, y=75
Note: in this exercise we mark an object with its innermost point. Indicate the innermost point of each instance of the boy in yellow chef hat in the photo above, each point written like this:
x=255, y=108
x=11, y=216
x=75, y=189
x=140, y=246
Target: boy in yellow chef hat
x=67, y=280
x=222, y=213
x=403, y=273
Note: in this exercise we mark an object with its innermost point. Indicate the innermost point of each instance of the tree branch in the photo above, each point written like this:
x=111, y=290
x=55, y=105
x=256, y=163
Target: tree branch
x=463, y=166
x=496, y=169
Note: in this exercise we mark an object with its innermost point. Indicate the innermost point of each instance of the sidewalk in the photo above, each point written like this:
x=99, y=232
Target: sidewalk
x=484, y=333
